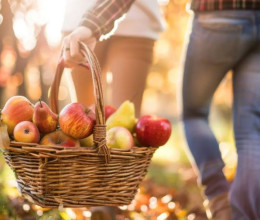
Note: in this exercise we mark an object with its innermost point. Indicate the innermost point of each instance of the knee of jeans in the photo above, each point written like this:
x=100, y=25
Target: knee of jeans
x=190, y=112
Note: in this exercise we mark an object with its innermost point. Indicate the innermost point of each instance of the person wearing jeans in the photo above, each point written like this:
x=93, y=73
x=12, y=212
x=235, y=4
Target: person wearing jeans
x=225, y=36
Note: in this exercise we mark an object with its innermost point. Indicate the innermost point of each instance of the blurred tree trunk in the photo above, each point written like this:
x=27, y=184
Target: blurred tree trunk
x=5, y=31
x=7, y=37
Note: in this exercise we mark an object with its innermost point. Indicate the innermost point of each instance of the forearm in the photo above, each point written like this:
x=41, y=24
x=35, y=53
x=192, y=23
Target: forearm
x=100, y=19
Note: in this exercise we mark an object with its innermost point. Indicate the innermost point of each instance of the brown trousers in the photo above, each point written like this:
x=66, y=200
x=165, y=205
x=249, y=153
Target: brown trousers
x=129, y=60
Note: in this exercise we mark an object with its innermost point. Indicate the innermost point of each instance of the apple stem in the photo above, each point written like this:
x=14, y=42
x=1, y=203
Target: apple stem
x=26, y=131
x=40, y=103
x=59, y=141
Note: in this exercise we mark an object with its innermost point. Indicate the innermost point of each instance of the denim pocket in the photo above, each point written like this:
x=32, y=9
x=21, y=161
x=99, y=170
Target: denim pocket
x=215, y=39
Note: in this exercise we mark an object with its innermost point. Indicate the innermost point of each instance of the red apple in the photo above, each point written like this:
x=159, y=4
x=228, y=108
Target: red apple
x=16, y=109
x=119, y=137
x=109, y=110
x=27, y=132
x=59, y=138
x=76, y=120
x=153, y=130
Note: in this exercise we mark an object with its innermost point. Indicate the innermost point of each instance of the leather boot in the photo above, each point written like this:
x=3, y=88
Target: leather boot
x=218, y=208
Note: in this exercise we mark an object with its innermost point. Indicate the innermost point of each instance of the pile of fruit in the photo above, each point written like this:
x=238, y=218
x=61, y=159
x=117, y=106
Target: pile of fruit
x=73, y=126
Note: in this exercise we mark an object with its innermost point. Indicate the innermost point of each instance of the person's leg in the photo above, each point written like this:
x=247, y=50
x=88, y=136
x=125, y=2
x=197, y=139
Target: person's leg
x=245, y=191
x=214, y=48
x=205, y=67
x=129, y=60
x=82, y=79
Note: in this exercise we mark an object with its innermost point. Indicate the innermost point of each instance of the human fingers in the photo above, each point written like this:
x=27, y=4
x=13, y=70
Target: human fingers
x=80, y=34
x=71, y=48
x=66, y=51
x=70, y=59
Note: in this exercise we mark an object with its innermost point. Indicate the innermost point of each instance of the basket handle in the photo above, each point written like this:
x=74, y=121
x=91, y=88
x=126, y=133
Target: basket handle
x=99, y=131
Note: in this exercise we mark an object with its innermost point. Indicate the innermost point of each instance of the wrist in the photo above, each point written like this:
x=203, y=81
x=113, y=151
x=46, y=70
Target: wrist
x=92, y=23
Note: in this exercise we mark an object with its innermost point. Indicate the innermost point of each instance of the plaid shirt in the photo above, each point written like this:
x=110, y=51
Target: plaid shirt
x=209, y=5
x=103, y=15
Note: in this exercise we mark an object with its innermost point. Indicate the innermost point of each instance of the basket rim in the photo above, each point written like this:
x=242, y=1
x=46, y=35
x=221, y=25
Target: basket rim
x=58, y=151
x=60, y=147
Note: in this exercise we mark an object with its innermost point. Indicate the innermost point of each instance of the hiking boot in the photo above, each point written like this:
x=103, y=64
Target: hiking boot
x=218, y=208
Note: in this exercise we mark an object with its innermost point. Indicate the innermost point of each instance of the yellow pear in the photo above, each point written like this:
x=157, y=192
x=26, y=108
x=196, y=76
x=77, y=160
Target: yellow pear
x=124, y=116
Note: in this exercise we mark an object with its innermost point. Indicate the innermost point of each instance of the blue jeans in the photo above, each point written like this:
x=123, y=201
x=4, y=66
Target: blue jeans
x=221, y=41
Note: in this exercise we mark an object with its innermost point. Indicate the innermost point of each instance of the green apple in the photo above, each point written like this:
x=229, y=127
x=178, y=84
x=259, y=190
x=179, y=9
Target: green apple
x=119, y=137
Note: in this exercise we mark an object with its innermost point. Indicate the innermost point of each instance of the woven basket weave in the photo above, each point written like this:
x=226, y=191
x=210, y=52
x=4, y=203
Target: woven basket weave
x=54, y=176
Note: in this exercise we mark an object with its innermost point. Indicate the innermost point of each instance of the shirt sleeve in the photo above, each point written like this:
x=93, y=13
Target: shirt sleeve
x=100, y=19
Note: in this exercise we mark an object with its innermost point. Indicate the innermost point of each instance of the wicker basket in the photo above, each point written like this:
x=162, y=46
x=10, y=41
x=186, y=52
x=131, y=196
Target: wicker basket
x=54, y=176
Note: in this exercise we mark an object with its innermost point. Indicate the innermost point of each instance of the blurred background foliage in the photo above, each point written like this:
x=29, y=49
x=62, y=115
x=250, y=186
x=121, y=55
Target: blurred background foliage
x=30, y=44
